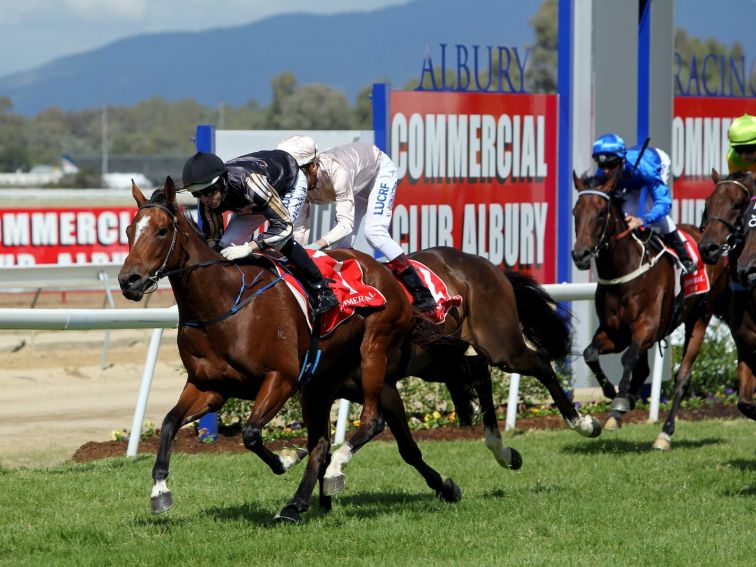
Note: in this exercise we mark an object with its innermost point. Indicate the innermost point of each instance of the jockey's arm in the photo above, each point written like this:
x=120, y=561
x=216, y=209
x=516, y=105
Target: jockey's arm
x=343, y=182
x=662, y=203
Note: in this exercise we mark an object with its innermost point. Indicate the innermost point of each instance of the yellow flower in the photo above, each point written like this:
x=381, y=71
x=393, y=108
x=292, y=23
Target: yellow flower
x=436, y=415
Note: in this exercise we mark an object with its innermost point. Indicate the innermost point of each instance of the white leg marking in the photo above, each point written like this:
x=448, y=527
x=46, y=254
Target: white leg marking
x=340, y=458
x=494, y=444
x=291, y=456
x=160, y=487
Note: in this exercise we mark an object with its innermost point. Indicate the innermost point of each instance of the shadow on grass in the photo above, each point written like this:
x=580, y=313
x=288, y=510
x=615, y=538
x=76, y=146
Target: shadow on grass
x=362, y=505
x=743, y=464
x=247, y=512
x=622, y=446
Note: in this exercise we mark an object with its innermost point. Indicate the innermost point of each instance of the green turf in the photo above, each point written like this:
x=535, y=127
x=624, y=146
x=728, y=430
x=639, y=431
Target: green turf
x=576, y=501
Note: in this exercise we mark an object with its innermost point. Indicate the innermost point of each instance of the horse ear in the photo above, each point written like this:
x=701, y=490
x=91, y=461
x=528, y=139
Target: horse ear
x=579, y=183
x=714, y=175
x=169, y=190
x=136, y=192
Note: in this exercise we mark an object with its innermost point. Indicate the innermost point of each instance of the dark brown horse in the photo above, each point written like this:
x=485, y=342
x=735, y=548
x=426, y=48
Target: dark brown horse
x=254, y=348
x=728, y=230
x=635, y=298
x=499, y=311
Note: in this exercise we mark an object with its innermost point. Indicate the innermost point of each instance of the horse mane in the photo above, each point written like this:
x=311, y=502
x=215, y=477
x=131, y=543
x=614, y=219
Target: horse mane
x=738, y=176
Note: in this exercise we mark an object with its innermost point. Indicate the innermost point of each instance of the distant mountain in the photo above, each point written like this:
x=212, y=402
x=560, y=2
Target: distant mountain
x=234, y=65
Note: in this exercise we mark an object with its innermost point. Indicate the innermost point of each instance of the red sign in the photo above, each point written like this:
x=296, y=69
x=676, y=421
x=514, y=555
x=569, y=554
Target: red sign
x=700, y=144
x=477, y=171
x=64, y=235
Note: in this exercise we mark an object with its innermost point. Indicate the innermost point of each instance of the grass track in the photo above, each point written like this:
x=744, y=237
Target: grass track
x=605, y=501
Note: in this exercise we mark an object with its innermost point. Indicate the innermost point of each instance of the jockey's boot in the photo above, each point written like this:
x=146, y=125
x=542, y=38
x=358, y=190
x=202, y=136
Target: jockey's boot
x=411, y=279
x=322, y=297
x=676, y=242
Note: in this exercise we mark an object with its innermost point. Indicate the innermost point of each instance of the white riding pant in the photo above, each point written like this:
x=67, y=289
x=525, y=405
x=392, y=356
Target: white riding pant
x=376, y=207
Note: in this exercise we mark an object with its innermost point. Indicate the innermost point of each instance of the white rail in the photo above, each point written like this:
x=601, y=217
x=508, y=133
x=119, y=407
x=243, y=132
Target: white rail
x=161, y=318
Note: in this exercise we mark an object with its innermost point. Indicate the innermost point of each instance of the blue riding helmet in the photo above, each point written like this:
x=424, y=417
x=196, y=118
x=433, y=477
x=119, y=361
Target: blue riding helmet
x=608, y=147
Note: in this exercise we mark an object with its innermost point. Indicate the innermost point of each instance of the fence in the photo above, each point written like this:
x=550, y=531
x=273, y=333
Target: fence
x=74, y=277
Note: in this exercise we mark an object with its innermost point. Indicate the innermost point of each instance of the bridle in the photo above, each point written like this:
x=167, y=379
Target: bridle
x=161, y=271
x=601, y=242
x=736, y=230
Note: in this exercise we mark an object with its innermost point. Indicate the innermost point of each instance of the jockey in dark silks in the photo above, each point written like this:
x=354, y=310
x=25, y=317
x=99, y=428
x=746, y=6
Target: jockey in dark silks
x=643, y=187
x=257, y=187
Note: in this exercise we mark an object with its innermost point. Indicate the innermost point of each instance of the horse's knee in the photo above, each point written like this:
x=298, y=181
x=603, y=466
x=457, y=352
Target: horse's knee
x=590, y=354
x=252, y=437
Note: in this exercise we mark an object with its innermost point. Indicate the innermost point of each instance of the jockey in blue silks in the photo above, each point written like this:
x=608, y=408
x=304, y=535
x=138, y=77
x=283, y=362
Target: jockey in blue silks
x=643, y=187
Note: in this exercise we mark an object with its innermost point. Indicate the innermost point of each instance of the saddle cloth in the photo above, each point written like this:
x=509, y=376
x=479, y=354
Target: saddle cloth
x=697, y=281
x=352, y=292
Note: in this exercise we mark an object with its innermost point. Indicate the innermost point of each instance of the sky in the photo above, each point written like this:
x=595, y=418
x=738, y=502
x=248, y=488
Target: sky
x=34, y=32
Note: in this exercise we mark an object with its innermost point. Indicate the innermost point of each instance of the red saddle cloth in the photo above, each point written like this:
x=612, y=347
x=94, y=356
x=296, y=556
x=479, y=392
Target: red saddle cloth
x=352, y=292
x=697, y=281
x=437, y=287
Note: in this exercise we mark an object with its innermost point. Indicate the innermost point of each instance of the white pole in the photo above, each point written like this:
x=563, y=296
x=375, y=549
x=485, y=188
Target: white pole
x=341, y=422
x=514, y=397
x=144, y=393
x=656, y=381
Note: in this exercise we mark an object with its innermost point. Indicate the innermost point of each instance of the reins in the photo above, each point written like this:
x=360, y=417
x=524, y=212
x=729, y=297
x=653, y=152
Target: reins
x=600, y=243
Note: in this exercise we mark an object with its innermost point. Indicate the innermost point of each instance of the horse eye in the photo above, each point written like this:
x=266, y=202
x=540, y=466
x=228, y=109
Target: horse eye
x=162, y=232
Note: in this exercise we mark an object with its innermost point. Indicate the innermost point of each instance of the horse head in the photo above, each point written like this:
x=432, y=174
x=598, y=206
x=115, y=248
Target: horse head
x=592, y=213
x=152, y=239
x=725, y=207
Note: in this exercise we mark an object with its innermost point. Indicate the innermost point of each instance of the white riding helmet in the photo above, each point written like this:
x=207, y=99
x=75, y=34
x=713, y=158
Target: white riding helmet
x=301, y=148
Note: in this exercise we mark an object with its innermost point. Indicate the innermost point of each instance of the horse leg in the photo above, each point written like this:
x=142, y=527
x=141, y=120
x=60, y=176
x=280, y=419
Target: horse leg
x=746, y=384
x=273, y=394
x=393, y=409
x=639, y=374
x=507, y=457
x=601, y=344
x=192, y=405
x=694, y=336
x=527, y=361
x=621, y=403
x=373, y=368
x=315, y=414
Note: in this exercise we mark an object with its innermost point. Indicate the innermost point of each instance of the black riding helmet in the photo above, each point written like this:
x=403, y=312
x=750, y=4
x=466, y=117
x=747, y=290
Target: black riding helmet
x=201, y=171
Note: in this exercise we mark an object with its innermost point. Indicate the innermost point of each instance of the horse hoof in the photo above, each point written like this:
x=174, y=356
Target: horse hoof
x=333, y=485
x=596, y=425
x=450, y=492
x=612, y=424
x=621, y=404
x=663, y=442
x=287, y=515
x=609, y=391
x=161, y=503
x=515, y=459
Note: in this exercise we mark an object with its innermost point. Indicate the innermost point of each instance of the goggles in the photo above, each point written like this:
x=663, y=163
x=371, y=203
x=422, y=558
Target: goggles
x=746, y=149
x=206, y=192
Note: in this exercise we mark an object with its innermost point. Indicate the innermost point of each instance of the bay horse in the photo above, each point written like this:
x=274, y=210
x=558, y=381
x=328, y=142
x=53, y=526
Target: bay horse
x=728, y=235
x=499, y=310
x=254, y=348
x=635, y=298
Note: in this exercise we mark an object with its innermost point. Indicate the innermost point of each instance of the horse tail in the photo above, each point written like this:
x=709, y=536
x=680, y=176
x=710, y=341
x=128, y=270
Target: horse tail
x=545, y=323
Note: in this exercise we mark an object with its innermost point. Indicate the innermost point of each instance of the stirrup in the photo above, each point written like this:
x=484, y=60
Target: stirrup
x=324, y=302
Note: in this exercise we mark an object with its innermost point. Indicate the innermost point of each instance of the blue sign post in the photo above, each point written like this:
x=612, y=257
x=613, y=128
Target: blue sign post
x=204, y=141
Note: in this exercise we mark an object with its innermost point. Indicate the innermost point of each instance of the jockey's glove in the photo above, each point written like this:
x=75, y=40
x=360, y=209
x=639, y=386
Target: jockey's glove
x=313, y=246
x=235, y=252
